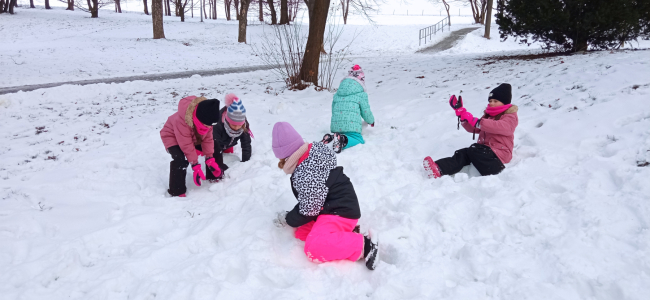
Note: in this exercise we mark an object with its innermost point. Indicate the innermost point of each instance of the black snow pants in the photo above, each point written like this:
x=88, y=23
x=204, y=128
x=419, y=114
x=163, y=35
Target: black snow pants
x=481, y=156
x=178, y=170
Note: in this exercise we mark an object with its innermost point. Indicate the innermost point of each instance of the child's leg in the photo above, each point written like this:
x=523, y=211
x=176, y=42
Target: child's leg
x=303, y=231
x=177, y=171
x=354, y=138
x=485, y=160
x=218, y=158
x=453, y=165
x=331, y=238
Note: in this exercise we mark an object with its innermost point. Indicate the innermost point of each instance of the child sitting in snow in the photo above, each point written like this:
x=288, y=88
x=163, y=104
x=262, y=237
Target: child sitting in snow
x=349, y=106
x=327, y=209
x=187, y=132
x=496, y=131
x=231, y=127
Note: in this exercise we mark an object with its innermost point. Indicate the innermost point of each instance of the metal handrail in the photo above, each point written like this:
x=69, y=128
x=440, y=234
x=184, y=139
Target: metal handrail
x=428, y=31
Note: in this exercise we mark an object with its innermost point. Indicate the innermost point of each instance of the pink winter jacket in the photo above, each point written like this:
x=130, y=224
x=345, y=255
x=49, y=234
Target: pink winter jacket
x=499, y=135
x=179, y=130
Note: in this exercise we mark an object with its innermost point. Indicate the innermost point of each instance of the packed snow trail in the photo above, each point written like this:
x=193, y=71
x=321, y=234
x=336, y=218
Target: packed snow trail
x=448, y=42
x=149, y=77
x=85, y=213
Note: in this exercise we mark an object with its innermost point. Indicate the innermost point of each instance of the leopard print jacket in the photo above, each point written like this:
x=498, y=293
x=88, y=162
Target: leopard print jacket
x=310, y=176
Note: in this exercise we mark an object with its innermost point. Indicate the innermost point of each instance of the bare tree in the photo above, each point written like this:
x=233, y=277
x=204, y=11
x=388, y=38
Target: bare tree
x=478, y=10
x=31, y=4
x=261, y=17
x=214, y=9
x=118, y=8
x=180, y=8
x=169, y=9
x=488, y=19
x=274, y=18
x=363, y=7
x=236, y=2
x=317, y=22
x=157, y=19
x=47, y=4
x=146, y=9
x=446, y=3
x=93, y=6
x=243, y=20
x=227, y=4
x=284, y=12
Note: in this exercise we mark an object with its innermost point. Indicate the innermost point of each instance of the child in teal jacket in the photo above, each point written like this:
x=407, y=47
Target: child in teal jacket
x=350, y=105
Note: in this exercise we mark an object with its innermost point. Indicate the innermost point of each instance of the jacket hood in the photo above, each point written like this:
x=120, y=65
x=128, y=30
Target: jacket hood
x=186, y=108
x=348, y=87
x=513, y=109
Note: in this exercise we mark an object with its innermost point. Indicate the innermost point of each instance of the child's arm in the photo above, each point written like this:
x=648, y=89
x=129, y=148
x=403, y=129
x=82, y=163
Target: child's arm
x=207, y=145
x=505, y=126
x=184, y=139
x=246, y=149
x=366, y=113
x=470, y=128
x=295, y=219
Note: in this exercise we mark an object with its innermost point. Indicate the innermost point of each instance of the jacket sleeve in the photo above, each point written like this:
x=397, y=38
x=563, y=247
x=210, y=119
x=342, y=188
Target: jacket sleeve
x=504, y=126
x=185, y=141
x=470, y=128
x=246, y=149
x=295, y=219
x=366, y=113
x=207, y=145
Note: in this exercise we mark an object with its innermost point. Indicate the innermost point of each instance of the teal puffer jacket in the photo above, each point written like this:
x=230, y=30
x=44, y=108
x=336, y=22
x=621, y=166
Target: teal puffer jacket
x=349, y=106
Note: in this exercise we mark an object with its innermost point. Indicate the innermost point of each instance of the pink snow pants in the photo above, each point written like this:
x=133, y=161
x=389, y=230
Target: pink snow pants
x=331, y=238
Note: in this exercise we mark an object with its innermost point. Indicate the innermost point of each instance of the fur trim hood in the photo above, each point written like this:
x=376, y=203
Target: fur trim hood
x=187, y=107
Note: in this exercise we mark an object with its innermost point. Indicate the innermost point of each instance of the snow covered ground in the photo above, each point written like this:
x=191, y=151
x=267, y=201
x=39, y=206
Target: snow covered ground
x=84, y=212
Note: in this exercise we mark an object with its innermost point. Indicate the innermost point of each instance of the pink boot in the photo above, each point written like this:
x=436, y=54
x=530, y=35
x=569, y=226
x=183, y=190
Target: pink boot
x=431, y=168
x=182, y=195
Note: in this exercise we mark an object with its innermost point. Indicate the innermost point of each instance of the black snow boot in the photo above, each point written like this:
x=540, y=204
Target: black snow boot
x=340, y=141
x=370, y=252
x=327, y=138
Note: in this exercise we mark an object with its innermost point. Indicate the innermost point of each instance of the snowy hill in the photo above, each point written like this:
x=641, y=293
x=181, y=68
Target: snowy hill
x=85, y=215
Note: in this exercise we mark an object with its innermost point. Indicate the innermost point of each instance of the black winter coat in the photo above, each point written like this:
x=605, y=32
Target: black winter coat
x=341, y=200
x=223, y=141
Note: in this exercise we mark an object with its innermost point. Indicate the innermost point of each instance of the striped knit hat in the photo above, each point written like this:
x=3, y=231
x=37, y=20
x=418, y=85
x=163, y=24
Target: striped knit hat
x=236, y=114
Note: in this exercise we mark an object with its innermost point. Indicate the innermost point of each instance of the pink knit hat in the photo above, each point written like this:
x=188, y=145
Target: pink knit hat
x=286, y=140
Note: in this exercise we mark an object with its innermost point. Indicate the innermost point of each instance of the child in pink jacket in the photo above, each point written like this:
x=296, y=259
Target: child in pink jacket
x=328, y=209
x=496, y=131
x=185, y=134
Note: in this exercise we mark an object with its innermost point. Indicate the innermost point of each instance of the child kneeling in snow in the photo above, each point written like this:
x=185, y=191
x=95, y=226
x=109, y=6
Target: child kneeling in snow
x=496, y=131
x=186, y=133
x=231, y=127
x=349, y=106
x=328, y=209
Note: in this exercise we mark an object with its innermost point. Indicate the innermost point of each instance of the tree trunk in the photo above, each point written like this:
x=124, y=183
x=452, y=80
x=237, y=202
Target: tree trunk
x=157, y=19
x=70, y=5
x=226, y=4
x=118, y=6
x=214, y=9
x=317, y=21
x=284, y=12
x=345, y=5
x=243, y=20
x=169, y=8
x=12, y=4
x=94, y=13
x=146, y=9
x=310, y=7
x=236, y=9
x=181, y=9
x=47, y=4
x=261, y=10
x=274, y=18
x=31, y=4
x=2, y=6
x=488, y=19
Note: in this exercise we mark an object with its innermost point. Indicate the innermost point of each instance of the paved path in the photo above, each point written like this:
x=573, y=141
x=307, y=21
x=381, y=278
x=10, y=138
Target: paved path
x=448, y=42
x=150, y=77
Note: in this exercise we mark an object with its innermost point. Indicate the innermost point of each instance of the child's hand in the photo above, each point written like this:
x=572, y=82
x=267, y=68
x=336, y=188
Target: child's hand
x=465, y=116
x=456, y=103
x=280, y=219
x=198, y=174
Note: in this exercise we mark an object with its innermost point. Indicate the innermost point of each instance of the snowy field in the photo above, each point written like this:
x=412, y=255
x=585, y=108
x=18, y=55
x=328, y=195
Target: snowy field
x=84, y=212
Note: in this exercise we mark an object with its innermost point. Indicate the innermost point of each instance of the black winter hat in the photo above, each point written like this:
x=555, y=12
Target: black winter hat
x=208, y=112
x=502, y=93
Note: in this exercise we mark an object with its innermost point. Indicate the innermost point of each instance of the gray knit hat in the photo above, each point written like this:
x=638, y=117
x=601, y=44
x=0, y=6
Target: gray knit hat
x=236, y=114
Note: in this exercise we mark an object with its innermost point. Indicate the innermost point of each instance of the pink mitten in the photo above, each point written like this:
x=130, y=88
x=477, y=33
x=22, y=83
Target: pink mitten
x=467, y=117
x=199, y=152
x=213, y=167
x=198, y=174
x=460, y=111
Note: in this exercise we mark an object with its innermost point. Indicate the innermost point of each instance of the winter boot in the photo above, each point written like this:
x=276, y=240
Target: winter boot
x=431, y=168
x=370, y=252
x=340, y=141
x=327, y=138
